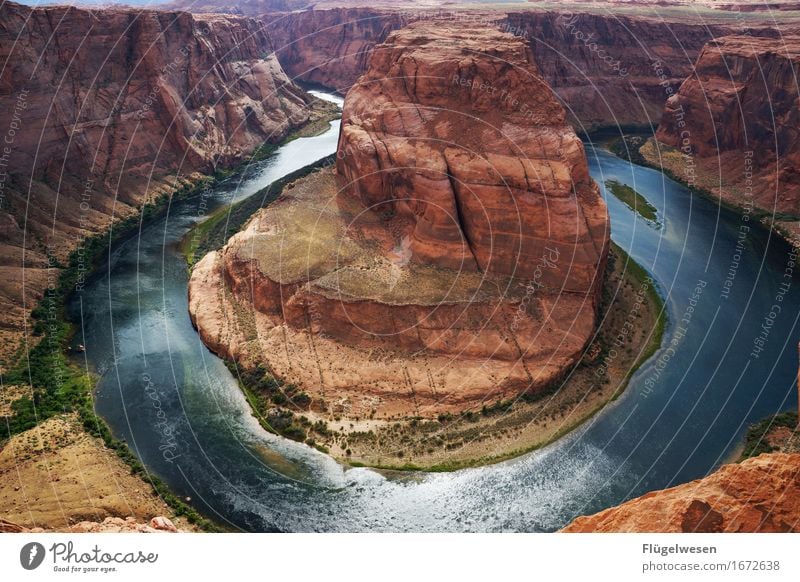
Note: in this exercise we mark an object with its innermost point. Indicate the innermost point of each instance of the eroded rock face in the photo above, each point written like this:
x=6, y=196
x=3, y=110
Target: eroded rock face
x=608, y=70
x=158, y=524
x=737, y=123
x=757, y=495
x=329, y=47
x=458, y=138
x=454, y=257
x=103, y=109
x=612, y=69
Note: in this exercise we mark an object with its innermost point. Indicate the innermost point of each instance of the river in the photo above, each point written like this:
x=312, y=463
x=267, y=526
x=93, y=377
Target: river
x=182, y=413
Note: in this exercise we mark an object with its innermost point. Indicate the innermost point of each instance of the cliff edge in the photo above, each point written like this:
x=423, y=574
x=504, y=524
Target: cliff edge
x=453, y=259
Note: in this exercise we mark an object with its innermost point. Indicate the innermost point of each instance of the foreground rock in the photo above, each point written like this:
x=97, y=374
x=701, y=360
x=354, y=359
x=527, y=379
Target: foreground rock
x=102, y=111
x=55, y=476
x=454, y=259
x=758, y=495
x=732, y=128
x=159, y=524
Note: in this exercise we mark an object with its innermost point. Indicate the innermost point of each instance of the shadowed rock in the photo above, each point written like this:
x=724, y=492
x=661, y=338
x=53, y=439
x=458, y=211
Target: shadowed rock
x=454, y=257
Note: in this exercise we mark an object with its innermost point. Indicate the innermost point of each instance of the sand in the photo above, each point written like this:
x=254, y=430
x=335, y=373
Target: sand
x=56, y=475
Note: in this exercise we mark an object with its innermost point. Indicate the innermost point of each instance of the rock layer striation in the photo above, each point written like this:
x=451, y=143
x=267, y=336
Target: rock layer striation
x=104, y=110
x=757, y=495
x=607, y=70
x=455, y=256
x=735, y=123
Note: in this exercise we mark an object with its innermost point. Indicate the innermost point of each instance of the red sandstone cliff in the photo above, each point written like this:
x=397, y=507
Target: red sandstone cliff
x=736, y=119
x=602, y=66
x=329, y=47
x=462, y=142
x=612, y=69
x=757, y=495
x=456, y=258
x=101, y=110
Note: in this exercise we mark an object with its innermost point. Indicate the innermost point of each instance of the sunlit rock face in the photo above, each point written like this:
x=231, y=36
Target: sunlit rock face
x=454, y=255
x=736, y=123
x=757, y=495
x=111, y=108
x=454, y=133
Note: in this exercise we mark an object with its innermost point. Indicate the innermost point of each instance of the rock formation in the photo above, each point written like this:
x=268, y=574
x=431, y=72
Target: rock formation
x=607, y=69
x=736, y=124
x=461, y=141
x=101, y=111
x=761, y=494
x=454, y=258
x=329, y=47
x=55, y=475
x=158, y=524
x=612, y=69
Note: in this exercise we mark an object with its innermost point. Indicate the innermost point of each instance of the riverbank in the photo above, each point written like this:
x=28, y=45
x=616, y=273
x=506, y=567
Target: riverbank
x=777, y=433
x=642, y=149
x=49, y=392
x=211, y=233
x=631, y=331
x=754, y=490
x=49, y=387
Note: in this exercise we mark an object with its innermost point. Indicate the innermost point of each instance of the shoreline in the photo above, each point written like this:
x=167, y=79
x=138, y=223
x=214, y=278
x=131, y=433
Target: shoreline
x=52, y=359
x=532, y=410
x=483, y=436
x=635, y=156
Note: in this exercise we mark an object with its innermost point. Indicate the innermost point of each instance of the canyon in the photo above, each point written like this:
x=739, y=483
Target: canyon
x=329, y=47
x=618, y=71
x=105, y=111
x=732, y=128
x=459, y=245
x=396, y=286
x=94, y=140
x=606, y=70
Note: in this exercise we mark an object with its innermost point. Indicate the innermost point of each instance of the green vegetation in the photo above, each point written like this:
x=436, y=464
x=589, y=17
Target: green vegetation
x=627, y=147
x=214, y=232
x=60, y=386
x=633, y=200
x=756, y=442
x=641, y=277
x=630, y=148
x=278, y=405
x=96, y=427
